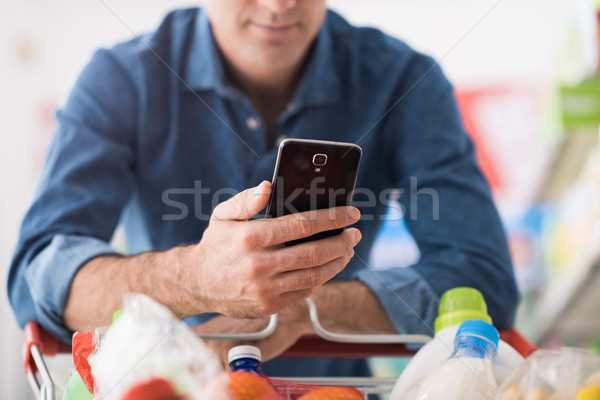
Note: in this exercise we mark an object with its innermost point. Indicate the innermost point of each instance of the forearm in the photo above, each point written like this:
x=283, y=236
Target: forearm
x=97, y=289
x=351, y=307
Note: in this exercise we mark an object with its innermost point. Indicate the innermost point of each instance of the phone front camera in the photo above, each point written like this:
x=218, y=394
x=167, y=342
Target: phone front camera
x=319, y=159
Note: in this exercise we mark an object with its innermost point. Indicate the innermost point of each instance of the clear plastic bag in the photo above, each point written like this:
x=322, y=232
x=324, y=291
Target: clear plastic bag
x=580, y=369
x=553, y=375
x=147, y=341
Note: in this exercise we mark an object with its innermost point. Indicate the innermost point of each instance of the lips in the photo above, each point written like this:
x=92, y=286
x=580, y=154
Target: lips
x=275, y=27
x=274, y=31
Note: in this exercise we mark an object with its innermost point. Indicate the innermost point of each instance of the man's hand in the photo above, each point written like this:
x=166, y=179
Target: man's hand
x=293, y=322
x=241, y=268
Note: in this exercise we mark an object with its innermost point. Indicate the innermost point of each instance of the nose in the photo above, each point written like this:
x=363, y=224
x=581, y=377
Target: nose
x=278, y=6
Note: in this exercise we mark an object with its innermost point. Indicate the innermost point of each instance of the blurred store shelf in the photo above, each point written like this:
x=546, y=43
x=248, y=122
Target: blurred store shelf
x=570, y=155
x=567, y=307
x=580, y=316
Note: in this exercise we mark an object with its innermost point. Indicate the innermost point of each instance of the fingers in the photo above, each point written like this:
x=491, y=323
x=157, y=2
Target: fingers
x=276, y=278
x=306, y=280
x=305, y=272
x=272, y=232
x=315, y=253
x=243, y=205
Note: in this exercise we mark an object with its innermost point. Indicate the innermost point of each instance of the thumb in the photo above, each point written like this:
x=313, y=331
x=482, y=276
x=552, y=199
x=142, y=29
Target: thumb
x=243, y=205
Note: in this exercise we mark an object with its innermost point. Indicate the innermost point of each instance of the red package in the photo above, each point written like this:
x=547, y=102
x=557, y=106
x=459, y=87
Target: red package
x=84, y=345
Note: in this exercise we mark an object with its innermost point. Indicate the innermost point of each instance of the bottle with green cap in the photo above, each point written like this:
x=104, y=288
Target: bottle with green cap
x=456, y=306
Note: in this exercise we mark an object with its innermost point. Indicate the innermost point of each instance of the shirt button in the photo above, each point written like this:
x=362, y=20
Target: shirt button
x=253, y=123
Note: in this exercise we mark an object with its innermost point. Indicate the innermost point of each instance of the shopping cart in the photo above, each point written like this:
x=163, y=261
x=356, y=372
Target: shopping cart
x=38, y=344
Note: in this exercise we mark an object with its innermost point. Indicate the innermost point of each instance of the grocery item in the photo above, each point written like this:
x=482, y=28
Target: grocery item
x=536, y=394
x=590, y=389
x=589, y=393
x=593, y=379
x=218, y=388
x=152, y=389
x=148, y=342
x=467, y=374
x=245, y=358
x=76, y=389
x=513, y=392
x=245, y=379
x=248, y=383
x=84, y=345
x=333, y=393
x=245, y=385
x=565, y=374
x=456, y=306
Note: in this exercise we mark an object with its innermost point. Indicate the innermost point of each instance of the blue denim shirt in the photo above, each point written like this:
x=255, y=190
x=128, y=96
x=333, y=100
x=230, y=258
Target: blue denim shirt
x=154, y=134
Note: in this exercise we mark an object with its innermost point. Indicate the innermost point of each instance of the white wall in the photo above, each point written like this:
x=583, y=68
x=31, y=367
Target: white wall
x=487, y=41
x=42, y=45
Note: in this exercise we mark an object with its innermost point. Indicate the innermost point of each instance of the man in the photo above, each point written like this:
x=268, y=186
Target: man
x=156, y=128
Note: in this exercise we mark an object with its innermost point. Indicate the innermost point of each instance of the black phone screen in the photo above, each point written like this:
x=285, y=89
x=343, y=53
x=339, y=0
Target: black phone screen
x=313, y=175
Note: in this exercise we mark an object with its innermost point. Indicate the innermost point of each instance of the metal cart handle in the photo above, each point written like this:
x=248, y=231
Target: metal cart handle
x=330, y=344
x=251, y=336
x=320, y=331
x=353, y=338
x=327, y=343
x=38, y=343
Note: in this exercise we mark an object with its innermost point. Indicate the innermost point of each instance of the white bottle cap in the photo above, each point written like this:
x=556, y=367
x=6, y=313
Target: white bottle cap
x=238, y=352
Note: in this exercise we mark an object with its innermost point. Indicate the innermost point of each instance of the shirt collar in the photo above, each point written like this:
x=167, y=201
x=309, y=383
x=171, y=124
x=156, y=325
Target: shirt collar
x=319, y=84
x=204, y=68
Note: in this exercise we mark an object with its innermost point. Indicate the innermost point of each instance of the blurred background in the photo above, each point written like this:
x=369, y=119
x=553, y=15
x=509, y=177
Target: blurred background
x=526, y=78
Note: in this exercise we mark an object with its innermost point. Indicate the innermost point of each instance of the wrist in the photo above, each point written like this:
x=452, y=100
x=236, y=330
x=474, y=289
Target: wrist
x=170, y=280
x=298, y=316
x=350, y=307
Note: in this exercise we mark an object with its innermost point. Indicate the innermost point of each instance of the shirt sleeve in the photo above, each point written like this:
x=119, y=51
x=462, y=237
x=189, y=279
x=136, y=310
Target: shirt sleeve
x=85, y=182
x=447, y=206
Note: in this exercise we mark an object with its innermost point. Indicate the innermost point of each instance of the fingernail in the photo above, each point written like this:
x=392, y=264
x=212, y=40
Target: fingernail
x=354, y=214
x=258, y=190
x=356, y=236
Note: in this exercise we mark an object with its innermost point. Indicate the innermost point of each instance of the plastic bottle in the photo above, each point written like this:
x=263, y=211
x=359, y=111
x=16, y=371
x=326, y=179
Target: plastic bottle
x=245, y=358
x=467, y=374
x=456, y=306
x=246, y=381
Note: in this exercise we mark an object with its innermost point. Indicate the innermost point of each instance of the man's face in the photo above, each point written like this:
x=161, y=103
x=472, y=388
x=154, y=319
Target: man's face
x=265, y=34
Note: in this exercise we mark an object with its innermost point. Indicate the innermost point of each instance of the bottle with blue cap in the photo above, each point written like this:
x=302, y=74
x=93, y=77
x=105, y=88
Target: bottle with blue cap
x=467, y=374
x=245, y=358
x=456, y=306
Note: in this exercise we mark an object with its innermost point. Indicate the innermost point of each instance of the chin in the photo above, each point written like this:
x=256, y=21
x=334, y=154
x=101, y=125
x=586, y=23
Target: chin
x=273, y=62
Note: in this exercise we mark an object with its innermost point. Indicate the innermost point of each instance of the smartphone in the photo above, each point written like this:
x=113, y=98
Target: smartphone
x=313, y=175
